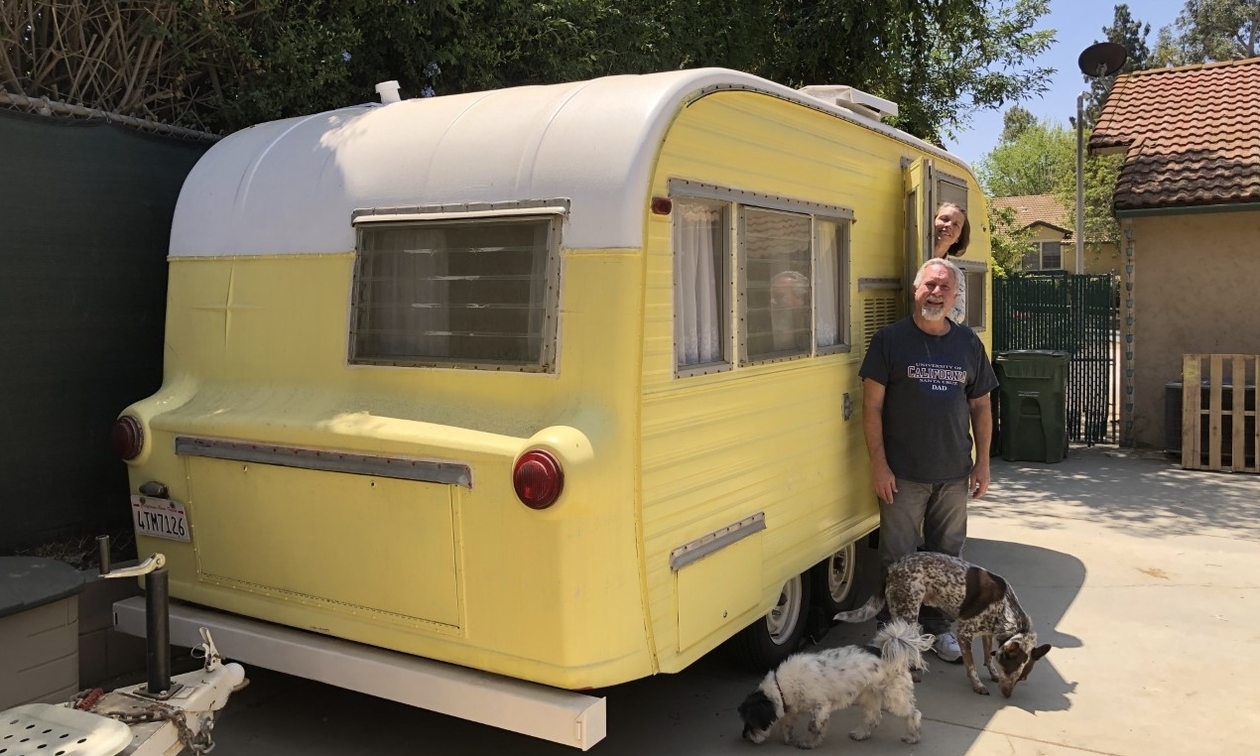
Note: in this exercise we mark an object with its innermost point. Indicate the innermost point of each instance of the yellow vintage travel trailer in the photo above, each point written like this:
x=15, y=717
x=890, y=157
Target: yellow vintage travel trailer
x=557, y=382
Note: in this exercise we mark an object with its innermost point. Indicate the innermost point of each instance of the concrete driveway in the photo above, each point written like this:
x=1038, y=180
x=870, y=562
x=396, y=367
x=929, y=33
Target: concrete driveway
x=1144, y=577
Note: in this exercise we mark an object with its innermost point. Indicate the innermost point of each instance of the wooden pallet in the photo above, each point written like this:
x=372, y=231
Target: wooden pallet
x=1216, y=372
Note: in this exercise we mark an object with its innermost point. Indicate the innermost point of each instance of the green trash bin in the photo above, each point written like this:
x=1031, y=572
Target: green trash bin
x=1032, y=384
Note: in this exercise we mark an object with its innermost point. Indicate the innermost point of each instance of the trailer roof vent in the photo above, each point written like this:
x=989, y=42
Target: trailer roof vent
x=388, y=90
x=862, y=103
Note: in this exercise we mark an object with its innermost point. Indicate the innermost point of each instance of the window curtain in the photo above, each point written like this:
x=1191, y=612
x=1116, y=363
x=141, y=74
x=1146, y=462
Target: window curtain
x=826, y=285
x=697, y=276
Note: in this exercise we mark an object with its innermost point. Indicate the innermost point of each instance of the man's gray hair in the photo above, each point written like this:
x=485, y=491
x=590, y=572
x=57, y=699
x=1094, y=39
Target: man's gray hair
x=953, y=269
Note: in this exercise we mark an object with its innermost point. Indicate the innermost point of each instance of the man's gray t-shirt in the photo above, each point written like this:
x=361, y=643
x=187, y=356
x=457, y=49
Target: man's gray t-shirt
x=928, y=381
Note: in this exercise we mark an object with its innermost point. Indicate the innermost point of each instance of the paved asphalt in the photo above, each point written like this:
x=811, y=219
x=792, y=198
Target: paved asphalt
x=1144, y=577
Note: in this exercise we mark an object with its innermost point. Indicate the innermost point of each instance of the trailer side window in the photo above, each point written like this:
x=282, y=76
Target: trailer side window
x=757, y=278
x=831, y=284
x=701, y=281
x=459, y=293
x=775, y=293
x=975, y=296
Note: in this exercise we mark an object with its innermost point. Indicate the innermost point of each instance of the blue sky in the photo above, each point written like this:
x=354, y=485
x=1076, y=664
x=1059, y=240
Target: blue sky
x=1077, y=25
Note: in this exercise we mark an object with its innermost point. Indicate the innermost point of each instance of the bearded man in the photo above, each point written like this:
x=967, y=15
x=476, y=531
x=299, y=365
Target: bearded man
x=926, y=383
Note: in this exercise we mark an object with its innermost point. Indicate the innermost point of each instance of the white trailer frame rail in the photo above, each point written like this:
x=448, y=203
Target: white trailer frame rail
x=561, y=716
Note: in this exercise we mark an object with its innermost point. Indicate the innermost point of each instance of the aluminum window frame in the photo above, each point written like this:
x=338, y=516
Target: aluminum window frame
x=725, y=290
x=554, y=212
x=736, y=355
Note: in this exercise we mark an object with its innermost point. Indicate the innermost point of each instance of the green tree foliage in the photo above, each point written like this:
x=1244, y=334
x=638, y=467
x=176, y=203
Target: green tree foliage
x=1216, y=30
x=1030, y=159
x=1016, y=121
x=1130, y=34
x=1040, y=158
x=938, y=59
x=270, y=59
x=226, y=64
x=1167, y=51
x=1099, y=185
x=1008, y=242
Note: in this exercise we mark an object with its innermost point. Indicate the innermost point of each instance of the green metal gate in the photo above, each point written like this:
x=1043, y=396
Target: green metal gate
x=1076, y=314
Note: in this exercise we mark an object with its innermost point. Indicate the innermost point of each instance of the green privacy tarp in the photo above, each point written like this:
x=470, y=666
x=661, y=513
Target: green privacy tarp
x=85, y=217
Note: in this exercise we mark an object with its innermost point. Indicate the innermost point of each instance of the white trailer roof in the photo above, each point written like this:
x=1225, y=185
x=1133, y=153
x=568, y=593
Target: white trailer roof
x=290, y=186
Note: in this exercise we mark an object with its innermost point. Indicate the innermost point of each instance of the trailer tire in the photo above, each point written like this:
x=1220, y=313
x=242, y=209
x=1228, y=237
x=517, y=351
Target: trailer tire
x=772, y=638
x=837, y=581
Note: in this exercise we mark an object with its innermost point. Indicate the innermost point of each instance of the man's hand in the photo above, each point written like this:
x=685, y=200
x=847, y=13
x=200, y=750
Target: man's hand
x=882, y=478
x=978, y=481
x=884, y=482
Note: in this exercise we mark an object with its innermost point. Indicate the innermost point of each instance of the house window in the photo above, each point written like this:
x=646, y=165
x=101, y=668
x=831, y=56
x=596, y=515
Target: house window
x=756, y=278
x=456, y=293
x=1044, y=255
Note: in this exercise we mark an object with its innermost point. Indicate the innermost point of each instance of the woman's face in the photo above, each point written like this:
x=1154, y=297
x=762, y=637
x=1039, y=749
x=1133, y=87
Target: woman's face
x=949, y=223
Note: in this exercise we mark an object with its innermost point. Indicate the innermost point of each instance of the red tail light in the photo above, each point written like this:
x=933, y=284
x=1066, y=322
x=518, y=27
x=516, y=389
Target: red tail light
x=126, y=438
x=538, y=479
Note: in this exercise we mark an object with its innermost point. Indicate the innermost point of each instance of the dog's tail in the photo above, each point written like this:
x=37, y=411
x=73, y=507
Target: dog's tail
x=865, y=611
x=901, y=644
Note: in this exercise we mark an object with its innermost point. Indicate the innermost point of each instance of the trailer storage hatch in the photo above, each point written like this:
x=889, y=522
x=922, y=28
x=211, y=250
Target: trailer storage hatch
x=351, y=543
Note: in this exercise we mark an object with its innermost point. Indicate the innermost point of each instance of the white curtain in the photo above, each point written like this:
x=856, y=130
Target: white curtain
x=697, y=276
x=826, y=284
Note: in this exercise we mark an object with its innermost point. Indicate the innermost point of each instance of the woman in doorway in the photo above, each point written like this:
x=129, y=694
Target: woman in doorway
x=951, y=235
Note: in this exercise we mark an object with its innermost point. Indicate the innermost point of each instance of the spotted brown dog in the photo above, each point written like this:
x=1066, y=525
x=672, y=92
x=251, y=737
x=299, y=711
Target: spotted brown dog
x=984, y=604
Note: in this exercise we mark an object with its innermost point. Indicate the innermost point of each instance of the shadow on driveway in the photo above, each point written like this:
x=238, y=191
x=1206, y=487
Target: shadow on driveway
x=1141, y=493
x=693, y=712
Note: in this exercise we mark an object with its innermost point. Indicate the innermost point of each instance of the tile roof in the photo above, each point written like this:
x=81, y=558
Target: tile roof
x=1037, y=208
x=1192, y=135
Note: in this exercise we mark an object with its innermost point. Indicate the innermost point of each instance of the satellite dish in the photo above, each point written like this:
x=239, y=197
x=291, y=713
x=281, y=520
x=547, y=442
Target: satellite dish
x=1102, y=59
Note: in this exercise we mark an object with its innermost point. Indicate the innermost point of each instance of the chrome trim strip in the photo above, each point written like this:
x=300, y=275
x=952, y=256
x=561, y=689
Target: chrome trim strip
x=328, y=460
x=718, y=539
x=681, y=188
x=461, y=211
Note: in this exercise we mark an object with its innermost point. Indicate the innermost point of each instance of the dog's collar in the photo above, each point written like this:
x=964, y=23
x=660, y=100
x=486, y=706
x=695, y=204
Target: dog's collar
x=779, y=688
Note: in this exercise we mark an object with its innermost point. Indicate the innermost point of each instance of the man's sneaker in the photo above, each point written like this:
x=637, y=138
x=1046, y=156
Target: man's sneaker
x=946, y=647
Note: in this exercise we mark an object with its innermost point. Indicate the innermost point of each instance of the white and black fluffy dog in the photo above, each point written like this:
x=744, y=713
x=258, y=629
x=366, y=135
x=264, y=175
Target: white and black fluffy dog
x=810, y=686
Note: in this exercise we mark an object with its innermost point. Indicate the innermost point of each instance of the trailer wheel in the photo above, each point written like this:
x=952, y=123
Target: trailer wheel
x=771, y=639
x=837, y=581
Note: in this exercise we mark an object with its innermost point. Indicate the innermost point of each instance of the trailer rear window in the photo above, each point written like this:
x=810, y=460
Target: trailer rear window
x=477, y=293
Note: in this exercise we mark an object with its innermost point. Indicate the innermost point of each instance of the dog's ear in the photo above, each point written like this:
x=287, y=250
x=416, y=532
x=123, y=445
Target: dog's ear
x=1011, y=648
x=751, y=702
x=757, y=711
x=1037, y=653
x=982, y=590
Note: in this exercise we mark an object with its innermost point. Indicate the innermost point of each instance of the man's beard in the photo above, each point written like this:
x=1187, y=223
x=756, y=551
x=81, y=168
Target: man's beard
x=932, y=312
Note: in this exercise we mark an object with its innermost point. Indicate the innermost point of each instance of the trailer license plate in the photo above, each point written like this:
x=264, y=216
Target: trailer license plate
x=160, y=518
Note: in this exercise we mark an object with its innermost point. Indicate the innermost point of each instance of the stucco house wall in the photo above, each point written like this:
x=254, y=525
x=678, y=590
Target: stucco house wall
x=1195, y=281
x=1188, y=198
x=1101, y=258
